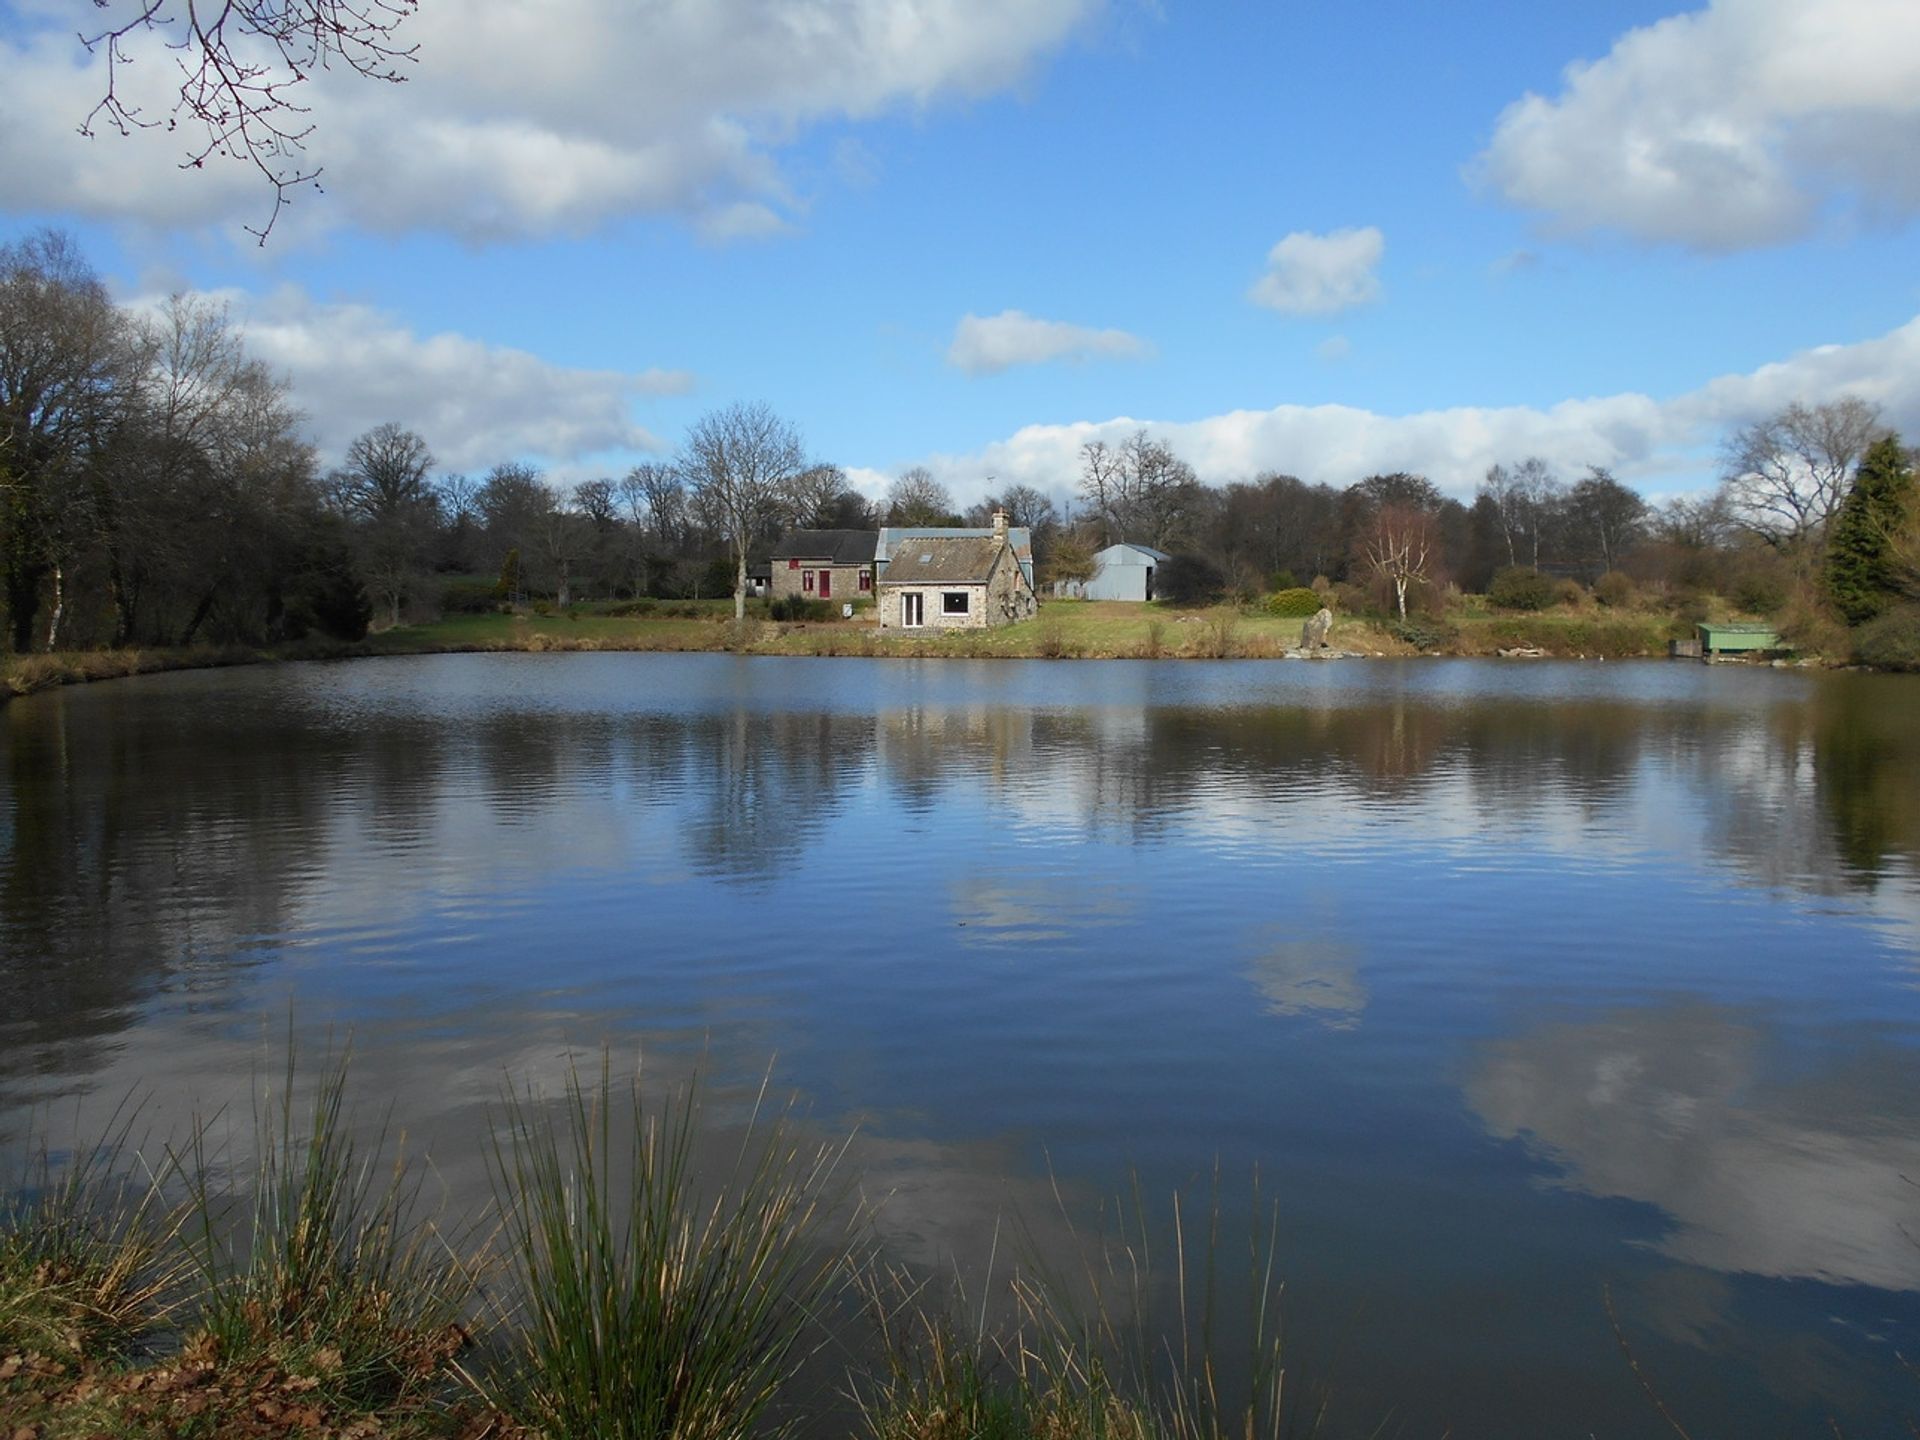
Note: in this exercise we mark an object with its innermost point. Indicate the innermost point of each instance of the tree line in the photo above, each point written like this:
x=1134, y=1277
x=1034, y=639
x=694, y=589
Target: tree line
x=156, y=489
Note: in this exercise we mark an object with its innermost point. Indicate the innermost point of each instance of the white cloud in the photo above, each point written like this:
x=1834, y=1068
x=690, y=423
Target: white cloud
x=1664, y=446
x=986, y=345
x=532, y=119
x=1334, y=349
x=1727, y=127
x=1310, y=274
x=476, y=404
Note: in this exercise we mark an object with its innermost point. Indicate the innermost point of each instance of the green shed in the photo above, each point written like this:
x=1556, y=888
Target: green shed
x=1722, y=639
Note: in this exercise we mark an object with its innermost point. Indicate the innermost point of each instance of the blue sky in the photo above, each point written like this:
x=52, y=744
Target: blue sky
x=1326, y=239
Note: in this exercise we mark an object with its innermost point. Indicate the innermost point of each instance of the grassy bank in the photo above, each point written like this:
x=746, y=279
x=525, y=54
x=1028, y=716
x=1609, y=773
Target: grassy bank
x=1064, y=630
x=633, y=1279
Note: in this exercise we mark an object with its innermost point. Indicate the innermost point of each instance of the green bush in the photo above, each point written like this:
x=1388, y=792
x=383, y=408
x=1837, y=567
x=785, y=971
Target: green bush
x=1763, y=591
x=1294, y=604
x=469, y=597
x=798, y=607
x=1613, y=590
x=542, y=608
x=1890, y=641
x=1424, y=634
x=1520, y=587
x=1282, y=580
x=630, y=609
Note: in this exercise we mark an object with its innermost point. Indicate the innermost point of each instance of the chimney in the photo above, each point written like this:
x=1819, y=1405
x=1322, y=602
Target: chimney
x=999, y=524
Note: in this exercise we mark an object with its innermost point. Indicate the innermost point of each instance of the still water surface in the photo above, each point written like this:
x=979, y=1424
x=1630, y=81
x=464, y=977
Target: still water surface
x=1513, y=982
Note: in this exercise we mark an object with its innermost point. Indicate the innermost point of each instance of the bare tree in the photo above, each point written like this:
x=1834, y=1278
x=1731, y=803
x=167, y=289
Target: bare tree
x=68, y=365
x=1541, y=496
x=1103, y=487
x=1027, y=507
x=241, y=63
x=741, y=462
x=1785, y=477
x=1139, y=490
x=384, y=487
x=821, y=499
x=916, y=498
x=1609, y=513
x=1398, y=545
x=1510, y=507
x=656, y=500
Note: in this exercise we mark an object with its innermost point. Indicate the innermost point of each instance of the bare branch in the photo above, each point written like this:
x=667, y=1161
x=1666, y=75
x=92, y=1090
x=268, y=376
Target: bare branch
x=240, y=64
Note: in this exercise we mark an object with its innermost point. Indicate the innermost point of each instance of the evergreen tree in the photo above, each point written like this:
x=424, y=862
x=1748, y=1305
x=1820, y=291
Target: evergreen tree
x=1859, y=569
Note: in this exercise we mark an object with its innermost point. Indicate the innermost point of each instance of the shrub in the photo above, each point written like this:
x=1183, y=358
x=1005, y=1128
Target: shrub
x=542, y=607
x=1283, y=580
x=1569, y=593
x=630, y=609
x=1613, y=590
x=1762, y=589
x=798, y=607
x=1218, y=639
x=1423, y=634
x=469, y=597
x=1295, y=603
x=1891, y=640
x=1520, y=587
x=1189, y=580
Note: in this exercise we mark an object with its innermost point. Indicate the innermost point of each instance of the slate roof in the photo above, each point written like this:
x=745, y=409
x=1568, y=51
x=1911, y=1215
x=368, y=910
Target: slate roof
x=838, y=547
x=894, y=537
x=943, y=560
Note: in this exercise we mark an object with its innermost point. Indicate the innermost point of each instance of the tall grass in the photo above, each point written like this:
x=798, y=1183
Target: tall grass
x=86, y=1256
x=650, y=1304
x=328, y=1266
x=1086, y=1359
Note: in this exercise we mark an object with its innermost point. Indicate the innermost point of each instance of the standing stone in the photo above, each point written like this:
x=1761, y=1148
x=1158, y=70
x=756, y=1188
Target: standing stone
x=1313, y=634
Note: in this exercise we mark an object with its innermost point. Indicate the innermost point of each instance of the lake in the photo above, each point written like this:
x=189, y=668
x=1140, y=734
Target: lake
x=1517, y=985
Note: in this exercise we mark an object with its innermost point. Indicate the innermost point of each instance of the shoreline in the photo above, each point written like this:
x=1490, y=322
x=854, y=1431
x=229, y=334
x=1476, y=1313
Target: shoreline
x=1217, y=634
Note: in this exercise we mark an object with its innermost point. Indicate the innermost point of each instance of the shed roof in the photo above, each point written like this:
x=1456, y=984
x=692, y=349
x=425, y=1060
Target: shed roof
x=840, y=547
x=1160, y=556
x=944, y=560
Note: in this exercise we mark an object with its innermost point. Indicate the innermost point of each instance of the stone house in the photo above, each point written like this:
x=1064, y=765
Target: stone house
x=955, y=583
x=824, y=565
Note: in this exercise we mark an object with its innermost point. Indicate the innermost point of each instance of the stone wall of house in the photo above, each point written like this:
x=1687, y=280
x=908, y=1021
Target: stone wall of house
x=1005, y=598
x=1009, y=597
x=846, y=581
x=976, y=617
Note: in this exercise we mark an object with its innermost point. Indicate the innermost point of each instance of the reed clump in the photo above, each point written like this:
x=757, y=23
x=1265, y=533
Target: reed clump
x=326, y=1265
x=639, y=1276
x=87, y=1263
x=1085, y=1359
x=650, y=1300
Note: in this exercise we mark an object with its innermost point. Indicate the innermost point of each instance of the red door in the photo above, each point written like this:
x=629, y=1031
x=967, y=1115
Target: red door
x=826, y=584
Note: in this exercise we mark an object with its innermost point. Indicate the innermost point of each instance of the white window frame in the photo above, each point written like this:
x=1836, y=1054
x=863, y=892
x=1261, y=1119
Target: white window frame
x=966, y=602
x=913, y=610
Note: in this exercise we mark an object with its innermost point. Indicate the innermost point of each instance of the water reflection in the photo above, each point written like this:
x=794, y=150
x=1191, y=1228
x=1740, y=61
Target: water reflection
x=1030, y=926
x=1783, y=1169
